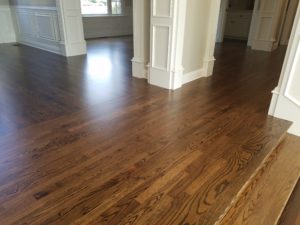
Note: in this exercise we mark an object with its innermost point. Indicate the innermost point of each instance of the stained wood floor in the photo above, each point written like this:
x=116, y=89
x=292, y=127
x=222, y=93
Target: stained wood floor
x=84, y=143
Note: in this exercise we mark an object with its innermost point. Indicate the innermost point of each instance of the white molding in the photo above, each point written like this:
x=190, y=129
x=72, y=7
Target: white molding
x=154, y=49
x=208, y=66
x=292, y=75
x=194, y=75
x=43, y=46
x=42, y=34
x=274, y=100
x=35, y=8
x=139, y=68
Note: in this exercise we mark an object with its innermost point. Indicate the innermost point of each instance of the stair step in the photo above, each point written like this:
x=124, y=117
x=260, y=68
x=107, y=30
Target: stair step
x=291, y=214
x=265, y=197
x=247, y=152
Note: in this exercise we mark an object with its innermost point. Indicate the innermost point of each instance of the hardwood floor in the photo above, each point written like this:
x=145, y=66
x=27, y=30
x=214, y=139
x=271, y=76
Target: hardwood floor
x=84, y=143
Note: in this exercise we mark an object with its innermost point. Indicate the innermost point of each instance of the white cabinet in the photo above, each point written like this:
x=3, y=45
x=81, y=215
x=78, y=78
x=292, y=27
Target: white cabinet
x=238, y=24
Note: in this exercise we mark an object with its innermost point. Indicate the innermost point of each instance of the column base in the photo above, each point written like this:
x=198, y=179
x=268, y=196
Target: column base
x=208, y=67
x=139, y=69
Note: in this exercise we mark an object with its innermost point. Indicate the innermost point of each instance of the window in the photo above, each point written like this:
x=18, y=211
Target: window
x=101, y=7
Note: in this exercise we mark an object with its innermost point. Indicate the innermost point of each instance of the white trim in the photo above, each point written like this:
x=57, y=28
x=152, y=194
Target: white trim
x=275, y=95
x=46, y=8
x=292, y=74
x=194, y=75
x=42, y=46
x=103, y=15
x=139, y=68
x=208, y=66
x=32, y=33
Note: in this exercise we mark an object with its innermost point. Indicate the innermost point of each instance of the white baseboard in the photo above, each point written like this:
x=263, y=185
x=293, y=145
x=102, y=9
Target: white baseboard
x=74, y=49
x=275, y=95
x=194, y=75
x=139, y=69
x=54, y=48
x=208, y=66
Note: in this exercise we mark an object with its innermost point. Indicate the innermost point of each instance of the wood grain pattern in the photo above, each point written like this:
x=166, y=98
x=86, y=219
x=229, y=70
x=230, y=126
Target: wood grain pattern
x=265, y=197
x=84, y=143
x=291, y=214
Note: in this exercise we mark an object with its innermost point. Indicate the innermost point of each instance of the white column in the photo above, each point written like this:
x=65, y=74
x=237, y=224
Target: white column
x=286, y=96
x=71, y=27
x=141, y=36
x=209, y=59
x=166, y=43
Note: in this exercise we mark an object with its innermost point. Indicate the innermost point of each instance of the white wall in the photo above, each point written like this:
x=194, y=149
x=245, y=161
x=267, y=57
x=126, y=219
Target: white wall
x=199, y=38
x=195, y=35
x=7, y=30
x=109, y=26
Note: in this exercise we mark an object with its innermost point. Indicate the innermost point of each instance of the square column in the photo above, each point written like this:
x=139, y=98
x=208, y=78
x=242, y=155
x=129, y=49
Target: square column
x=71, y=27
x=167, y=27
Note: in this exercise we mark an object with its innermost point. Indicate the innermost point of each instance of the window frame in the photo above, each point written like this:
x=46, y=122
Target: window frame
x=109, y=9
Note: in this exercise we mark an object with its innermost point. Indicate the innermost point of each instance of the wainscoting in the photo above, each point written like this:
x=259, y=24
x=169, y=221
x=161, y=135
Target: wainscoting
x=38, y=27
x=7, y=31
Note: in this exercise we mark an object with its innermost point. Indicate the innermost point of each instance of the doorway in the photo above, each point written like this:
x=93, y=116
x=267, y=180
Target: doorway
x=235, y=20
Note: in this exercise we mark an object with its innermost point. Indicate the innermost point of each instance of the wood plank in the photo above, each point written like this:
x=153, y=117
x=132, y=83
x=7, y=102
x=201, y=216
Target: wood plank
x=266, y=196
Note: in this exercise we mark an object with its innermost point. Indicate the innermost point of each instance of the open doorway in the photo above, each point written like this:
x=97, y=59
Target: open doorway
x=108, y=32
x=260, y=25
x=235, y=20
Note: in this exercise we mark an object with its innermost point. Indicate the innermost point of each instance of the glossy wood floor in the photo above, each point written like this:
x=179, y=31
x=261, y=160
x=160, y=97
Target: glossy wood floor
x=84, y=143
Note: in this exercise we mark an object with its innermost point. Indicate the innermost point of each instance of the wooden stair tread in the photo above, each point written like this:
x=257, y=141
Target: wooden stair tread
x=291, y=214
x=264, y=199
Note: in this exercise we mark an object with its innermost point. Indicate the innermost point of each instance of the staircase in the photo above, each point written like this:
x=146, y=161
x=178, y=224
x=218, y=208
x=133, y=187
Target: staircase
x=263, y=197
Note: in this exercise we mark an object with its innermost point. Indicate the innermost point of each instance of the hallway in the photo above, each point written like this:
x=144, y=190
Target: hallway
x=84, y=143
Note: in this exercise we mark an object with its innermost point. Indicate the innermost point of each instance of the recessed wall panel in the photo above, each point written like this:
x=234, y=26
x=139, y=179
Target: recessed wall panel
x=162, y=8
x=160, y=47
